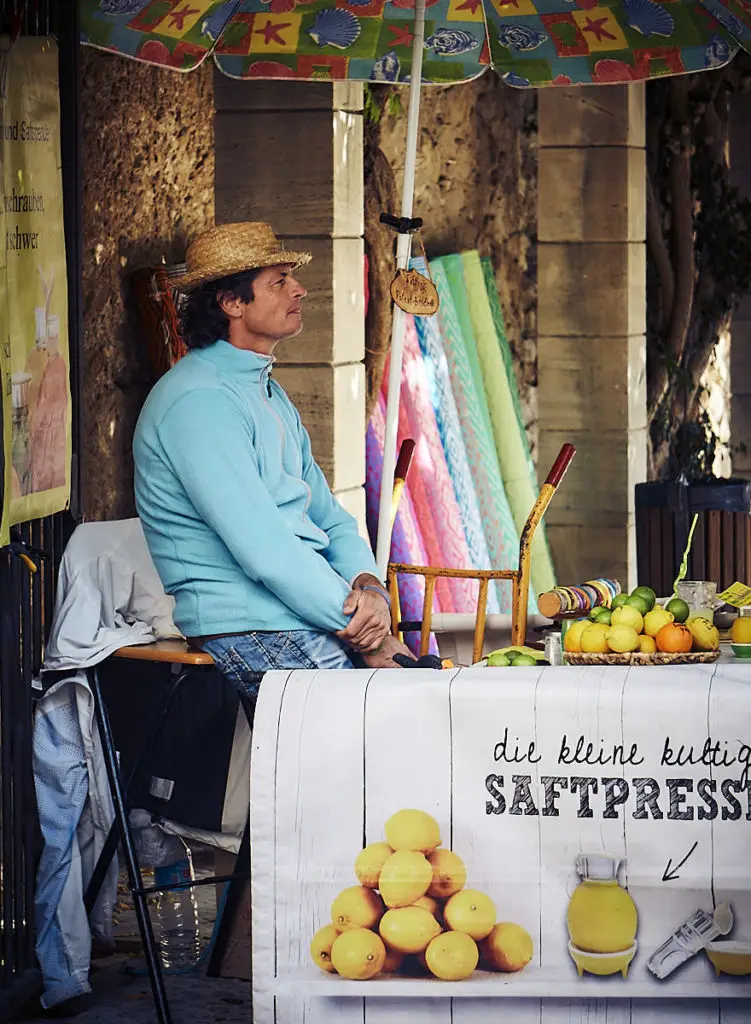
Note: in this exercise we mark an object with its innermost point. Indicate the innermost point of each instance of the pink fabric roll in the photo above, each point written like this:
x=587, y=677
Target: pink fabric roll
x=432, y=492
x=406, y=542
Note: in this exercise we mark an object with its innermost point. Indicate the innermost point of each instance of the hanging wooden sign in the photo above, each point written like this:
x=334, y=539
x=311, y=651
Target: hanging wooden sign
x=414, y=293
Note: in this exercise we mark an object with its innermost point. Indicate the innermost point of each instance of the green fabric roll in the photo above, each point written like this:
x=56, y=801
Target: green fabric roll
x=519, y=478
x=455, y=325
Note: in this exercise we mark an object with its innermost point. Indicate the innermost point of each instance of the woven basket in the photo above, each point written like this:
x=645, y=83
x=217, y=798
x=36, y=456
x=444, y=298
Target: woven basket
x=637, y=658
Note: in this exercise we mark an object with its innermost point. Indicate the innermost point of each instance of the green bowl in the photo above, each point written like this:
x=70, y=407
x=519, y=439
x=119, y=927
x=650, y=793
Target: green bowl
x=741, y=650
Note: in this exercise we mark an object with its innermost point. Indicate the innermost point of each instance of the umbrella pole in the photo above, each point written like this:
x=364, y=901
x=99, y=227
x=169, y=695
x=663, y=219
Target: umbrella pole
x=403, y=250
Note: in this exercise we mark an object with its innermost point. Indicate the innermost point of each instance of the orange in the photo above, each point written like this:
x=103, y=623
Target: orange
x=674, y=638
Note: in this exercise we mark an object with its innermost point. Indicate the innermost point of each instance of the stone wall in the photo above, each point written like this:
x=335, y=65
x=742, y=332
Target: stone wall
x=740, y=347
x=476, y=188
x=148, y=158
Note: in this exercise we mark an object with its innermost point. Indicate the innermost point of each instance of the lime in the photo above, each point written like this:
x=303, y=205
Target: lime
x=520, y=660
x=648, y=594
x=498, y=660
x=594, y=613
x=639, y=602
x=618, y=600
x=679, y=608
x=603, y=615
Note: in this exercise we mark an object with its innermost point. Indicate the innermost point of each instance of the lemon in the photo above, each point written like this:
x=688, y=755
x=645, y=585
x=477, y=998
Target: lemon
x=412, y=830
x=656, y=619
x=430, y=904
x=593, y=639
x=627, y=615
x=452, y=956
x=369, y=863
x=408, y=929
x=449, y=874
x=356, y=907
x=358, y=954
x=647, y=644
x=393, y=961
x=678, y=608
x=320, y=947
x=622, y=639
x=705, y=634
x=404, y=878
x=471, y=912
x=647, y=594
x=572, y=639
x=508, y=948
x=740, y=631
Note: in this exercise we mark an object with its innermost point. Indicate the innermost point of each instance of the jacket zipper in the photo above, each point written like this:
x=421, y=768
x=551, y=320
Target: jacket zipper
x=280, y=424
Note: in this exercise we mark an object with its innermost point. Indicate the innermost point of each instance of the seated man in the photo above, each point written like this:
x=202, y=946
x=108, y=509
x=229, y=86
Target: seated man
x=266, y=567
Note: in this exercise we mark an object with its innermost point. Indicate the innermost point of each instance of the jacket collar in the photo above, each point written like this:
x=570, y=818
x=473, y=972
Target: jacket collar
x=236, y=362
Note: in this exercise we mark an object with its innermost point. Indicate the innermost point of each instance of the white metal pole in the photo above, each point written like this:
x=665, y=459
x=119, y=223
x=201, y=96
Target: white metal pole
x=403, y=249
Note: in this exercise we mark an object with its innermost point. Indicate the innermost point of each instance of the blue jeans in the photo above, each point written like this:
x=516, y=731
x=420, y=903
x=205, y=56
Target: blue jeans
x=238, y=657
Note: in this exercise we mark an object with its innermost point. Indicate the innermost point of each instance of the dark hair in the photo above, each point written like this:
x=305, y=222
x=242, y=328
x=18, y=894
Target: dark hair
x=202, y=320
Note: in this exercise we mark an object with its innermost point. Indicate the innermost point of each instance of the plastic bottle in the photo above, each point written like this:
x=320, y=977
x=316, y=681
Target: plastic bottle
x=177, y=914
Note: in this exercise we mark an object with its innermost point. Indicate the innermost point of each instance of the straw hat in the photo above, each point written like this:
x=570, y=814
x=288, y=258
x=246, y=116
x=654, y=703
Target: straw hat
x=230, y=249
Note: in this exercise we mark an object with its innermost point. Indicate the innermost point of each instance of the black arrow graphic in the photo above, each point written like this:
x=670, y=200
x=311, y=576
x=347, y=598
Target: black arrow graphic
x=671, y=873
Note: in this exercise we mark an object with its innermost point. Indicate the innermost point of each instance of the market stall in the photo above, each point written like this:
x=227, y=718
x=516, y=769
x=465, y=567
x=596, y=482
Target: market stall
x=605, y=811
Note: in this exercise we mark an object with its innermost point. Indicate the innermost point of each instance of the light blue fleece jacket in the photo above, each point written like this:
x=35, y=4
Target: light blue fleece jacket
x=242, y=526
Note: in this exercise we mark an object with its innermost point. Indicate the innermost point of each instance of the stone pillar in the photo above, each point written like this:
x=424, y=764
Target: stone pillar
x=290, y=153
x=740, y=334
x=592, y=322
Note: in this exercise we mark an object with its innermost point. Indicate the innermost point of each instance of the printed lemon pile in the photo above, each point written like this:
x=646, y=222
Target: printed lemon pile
x=635, y=622
x=411, y=912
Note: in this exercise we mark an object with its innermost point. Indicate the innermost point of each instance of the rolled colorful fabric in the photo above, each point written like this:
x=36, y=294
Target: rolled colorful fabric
x=466, y=381
x=519, y=477
x=406, y=542
x=432, y=489
x=454, y=448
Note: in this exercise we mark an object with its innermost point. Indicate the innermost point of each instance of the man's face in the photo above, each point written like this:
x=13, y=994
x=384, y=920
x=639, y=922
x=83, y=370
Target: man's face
x=276, y=310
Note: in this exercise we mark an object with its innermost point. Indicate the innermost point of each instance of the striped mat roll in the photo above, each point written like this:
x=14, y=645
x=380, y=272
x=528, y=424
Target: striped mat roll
x=466, y=381
x=454, y=448
x=432, y=490
x=406, y=542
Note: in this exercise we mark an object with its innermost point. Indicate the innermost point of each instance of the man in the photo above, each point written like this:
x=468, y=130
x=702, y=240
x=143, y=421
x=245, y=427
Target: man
x=266, y=567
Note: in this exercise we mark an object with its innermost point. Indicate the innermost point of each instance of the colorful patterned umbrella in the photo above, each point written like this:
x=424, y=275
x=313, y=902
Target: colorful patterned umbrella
x=528, y=42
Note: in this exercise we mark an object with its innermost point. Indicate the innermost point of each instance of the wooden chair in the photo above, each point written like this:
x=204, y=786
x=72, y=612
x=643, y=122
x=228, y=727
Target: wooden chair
x=520, y=577
x=173, y=653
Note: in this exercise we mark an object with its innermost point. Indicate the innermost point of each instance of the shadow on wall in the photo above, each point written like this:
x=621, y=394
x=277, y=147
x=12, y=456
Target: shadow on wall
x=148, y=189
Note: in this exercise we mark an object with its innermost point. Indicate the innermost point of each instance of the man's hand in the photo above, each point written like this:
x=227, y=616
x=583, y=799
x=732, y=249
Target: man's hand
x=371, y=620
x=384, y=656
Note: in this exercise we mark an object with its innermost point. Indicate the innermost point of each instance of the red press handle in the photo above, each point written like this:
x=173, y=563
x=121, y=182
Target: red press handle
x=406, y=452
x=561, y=464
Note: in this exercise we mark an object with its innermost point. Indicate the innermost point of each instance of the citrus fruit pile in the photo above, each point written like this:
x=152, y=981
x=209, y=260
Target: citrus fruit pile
x=635, y=622
x=411, y=912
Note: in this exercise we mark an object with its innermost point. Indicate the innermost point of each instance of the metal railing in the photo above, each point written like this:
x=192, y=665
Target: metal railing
x=26, y=602
x=28, y=566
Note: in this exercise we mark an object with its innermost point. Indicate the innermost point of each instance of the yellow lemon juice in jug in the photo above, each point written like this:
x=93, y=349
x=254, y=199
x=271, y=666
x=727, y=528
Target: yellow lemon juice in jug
x=602, y=916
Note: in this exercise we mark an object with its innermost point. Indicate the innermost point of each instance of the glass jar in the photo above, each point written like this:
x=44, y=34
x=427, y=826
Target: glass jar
x=602, y=916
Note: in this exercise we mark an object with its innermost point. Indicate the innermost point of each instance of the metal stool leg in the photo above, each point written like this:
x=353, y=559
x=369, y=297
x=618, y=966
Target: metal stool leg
x=130, y=791
x=242, y=868
x=135, y=880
